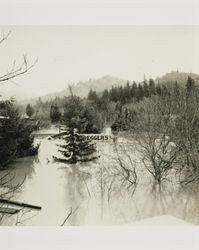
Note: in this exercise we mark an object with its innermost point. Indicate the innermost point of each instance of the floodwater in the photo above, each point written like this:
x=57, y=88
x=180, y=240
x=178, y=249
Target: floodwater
x=94, y=193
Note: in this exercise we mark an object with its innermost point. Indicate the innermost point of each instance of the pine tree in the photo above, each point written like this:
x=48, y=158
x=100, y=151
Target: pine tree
x=164, y=90
x=146, y=89
x=29, y=110
x=134, y=91
x=127, y=92
x=158, y=89
x=123, y=119
x=55, y=114
x=151, y=87
x=81, y=115
x=190, y=87
x=176, y=90
x=105, y=95
x=15, y=136
x=140, y=92
x=76, y=148
x=92, y=96
x=113, y=94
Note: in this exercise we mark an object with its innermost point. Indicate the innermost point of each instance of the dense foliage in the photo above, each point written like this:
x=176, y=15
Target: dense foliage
x=129, y=93
x=81, y=115
x=15, y=135
x=76, y=148
x=55, y=114
x=29, y=110
x=166, y=127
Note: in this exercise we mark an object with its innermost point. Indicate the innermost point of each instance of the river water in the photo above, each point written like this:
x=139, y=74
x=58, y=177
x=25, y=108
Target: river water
x=92, y=193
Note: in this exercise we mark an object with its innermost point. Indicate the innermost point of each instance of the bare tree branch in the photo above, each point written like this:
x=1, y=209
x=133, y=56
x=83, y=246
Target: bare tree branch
x=4, y=37
x=17, y=71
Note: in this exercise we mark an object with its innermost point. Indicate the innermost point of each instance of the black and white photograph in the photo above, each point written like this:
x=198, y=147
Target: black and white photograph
x=99, y=125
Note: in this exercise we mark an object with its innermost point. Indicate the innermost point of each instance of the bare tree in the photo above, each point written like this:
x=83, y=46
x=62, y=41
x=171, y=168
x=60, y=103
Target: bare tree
x=15, y=70
x=155, y=138
x=7, y=189
x=4, y=37
x=126, y=168
x=187, y=133
x=116, y=178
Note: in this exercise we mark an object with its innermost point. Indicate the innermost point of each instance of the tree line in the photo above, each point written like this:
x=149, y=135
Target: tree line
x=131, y=92
x=110, y=108
x=166, y=128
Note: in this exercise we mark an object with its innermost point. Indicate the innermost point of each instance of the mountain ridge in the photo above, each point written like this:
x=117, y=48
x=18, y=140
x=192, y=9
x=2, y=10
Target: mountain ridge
x=82, y=88
x=176, y=76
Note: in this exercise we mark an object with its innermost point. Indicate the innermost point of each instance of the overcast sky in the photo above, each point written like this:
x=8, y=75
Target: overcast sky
x=67, y=54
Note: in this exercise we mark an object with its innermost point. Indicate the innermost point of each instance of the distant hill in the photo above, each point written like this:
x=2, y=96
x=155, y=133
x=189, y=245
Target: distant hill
x=176, y=76
x=106, y=82
x=82, y=88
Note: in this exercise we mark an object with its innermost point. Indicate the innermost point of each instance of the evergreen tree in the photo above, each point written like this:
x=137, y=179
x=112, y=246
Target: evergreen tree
x=146, y=89
x=158, y=89
x=176, y=90
x=118, y=107
x=127, y=118
x=114, y=94
x=8, y=142
x=93, y=119
x=81, y=115
x=105, y=95
x=140, y=92
x=190, y=87
x=151, y=87
x=74, y=113
x=127, y=92
x=25, y=139
x=29, y=110
x=15, y=136
x=92, y=95
x=55, y=114
x=164, y=91
x=134, y=91
x=76, y=148
x=123, y=119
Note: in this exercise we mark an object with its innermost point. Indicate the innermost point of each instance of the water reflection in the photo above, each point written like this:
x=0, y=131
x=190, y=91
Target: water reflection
x=94, y=193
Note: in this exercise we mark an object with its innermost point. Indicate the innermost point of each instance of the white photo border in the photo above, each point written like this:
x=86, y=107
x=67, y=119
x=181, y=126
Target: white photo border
x=99, y=12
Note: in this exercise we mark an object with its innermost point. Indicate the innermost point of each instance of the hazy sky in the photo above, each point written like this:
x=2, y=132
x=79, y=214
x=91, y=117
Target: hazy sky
x=72, y=53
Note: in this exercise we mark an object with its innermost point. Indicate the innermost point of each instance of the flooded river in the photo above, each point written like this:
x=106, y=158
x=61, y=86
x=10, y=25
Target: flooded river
x=93, y=193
